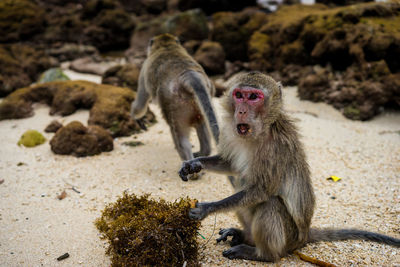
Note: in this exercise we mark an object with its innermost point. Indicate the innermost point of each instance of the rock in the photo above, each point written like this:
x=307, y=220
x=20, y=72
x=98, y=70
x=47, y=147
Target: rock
x=191, y=46
x=188, y=25
x=21, y=65
x=313, y=86
x=211, y=56
x=31, y=138
x=126, y=75
x=100, y=23
x=53, y=127
x=93, y=64
x=51, y=75
x=77, y=140
x=233, y=31
x=110, y=30
x=20, y=20
x=109, y=105
x=71, y=51
x=213, y=6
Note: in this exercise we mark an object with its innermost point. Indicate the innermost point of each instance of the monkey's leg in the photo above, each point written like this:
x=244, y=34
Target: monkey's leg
x=271, y=230
x=204, y=139
x=180, y=135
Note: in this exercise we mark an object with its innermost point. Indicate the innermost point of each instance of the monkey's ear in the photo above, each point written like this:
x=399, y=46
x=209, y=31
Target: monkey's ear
x=280, y=89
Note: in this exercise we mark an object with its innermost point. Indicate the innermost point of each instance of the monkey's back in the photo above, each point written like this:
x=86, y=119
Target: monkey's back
x=166, y=69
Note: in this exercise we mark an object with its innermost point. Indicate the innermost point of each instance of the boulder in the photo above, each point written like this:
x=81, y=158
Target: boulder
x=53, y=127
x=80, y=141
x=21, y=65
x=211, y=56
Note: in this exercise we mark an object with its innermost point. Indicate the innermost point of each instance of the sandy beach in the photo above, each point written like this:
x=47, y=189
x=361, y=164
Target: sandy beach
x=36, y=227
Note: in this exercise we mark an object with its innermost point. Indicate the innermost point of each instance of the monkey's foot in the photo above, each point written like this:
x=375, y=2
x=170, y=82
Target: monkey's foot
x=244, y=252
x=236, y=234
x=140, y=122
x=189, y=167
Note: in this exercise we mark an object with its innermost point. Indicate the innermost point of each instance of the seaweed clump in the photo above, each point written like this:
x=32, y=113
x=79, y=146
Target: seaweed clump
x=31, y=138
x=143, y=231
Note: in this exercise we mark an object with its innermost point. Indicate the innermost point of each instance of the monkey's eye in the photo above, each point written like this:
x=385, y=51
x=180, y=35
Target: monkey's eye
x=253, y=96
x=238, y=95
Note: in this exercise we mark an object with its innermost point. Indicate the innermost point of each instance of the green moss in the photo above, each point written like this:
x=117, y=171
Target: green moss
x=352, y=112
x=133, y=143
x=19, y=19
x=31, y=138
x=145, y=232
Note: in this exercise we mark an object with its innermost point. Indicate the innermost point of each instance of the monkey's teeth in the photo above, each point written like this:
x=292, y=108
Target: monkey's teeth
x=243, y=128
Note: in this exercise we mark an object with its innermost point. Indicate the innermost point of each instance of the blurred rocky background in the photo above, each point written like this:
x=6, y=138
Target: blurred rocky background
x=341, y=54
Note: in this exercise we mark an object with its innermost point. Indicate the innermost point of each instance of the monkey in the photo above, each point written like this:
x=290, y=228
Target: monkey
x=274, y=197
x=183, y=91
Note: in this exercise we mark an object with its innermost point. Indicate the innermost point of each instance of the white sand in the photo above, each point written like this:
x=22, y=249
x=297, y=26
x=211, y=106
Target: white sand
x=36, y=227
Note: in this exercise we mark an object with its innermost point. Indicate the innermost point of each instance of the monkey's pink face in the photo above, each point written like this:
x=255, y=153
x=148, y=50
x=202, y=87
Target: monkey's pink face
x=248, y=103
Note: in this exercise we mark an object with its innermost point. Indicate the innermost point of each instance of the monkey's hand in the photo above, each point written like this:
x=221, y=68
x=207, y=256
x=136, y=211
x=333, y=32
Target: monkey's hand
x=140, y=122
x=200, y=212
x=190, y=167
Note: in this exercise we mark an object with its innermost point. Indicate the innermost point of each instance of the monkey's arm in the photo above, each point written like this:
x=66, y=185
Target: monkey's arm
x=213, y=163
x=250, y=196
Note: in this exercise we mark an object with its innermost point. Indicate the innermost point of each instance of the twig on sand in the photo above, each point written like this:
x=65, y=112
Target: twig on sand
x=313, y=260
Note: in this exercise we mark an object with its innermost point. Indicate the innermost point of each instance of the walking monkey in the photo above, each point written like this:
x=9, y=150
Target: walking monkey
x=183, y=91
x=274, y=197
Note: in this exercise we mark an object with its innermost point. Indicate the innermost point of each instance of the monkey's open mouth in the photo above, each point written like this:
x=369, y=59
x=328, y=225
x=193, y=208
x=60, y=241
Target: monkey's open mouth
x=243, y=128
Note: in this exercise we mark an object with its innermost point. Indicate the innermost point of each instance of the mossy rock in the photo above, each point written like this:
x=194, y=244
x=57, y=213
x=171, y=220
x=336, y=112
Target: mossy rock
x=109, y=105
x=126, y=75
x=80, y=141
x=21, y=65
x=145, y=232
x=31, y=138
x=233, y=31
x=19, y=20
x=259, y=51
x=188, y=25
x=211, y=56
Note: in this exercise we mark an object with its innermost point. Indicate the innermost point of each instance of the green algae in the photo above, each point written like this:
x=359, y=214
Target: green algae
x=31, y=138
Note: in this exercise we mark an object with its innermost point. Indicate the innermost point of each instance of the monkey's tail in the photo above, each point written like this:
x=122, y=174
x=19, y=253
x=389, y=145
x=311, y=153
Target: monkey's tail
x=194, y=81
x=316, y=235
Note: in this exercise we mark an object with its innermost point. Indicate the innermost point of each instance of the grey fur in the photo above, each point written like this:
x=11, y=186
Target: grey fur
x=182, y=89
x=274, y=197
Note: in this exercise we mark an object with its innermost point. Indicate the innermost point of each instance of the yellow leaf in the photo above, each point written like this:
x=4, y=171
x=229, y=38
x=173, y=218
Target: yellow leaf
x=334, y=178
